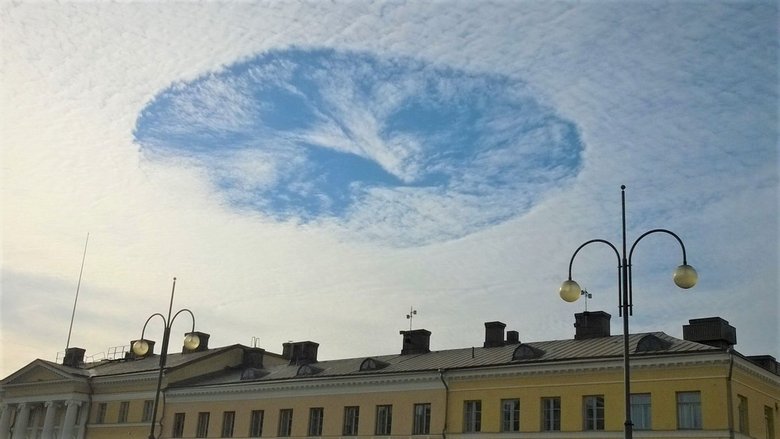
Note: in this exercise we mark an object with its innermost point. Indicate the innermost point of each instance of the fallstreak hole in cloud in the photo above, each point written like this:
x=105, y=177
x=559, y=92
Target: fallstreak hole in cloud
x=391, y=149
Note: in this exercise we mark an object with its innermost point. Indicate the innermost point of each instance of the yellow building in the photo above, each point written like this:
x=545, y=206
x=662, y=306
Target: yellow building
x=697, y=387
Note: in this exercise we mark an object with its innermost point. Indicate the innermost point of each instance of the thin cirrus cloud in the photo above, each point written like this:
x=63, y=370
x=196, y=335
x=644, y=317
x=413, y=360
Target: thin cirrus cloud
x=386, y=149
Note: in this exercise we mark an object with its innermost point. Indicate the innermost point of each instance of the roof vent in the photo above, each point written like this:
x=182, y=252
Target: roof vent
x=372, y=364
x=526, y=352
x=512, y=337
x=768, y=362
x=712, y=331
x=301, y=352
x=252, y=358
x=307, y=370
x=416, y=341
x=652, y=342
x=494, y=334
x=74, y=357
x=593, y=324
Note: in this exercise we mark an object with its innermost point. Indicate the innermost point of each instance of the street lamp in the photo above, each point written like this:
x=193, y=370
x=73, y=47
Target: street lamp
x=141, y=348
x=684, y=277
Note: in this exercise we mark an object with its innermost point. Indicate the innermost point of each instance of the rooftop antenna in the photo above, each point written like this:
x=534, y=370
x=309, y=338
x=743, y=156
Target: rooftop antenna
x=78, y=286
x=587, y=296
x=410, y=316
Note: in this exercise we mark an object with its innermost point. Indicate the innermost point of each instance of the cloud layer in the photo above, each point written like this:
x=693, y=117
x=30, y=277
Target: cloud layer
x=391, y=148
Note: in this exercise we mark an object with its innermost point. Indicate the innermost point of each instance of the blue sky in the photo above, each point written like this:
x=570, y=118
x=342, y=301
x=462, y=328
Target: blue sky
x=327, y=166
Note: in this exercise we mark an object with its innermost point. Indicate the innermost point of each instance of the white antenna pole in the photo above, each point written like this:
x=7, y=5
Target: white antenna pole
x=78, y=286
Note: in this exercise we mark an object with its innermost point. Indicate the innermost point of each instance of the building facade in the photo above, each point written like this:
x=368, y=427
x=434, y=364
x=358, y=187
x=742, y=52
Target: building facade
x=695, y=387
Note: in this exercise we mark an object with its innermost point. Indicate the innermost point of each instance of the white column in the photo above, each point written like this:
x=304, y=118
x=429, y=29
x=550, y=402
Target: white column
x=35, y=422
x=70, y=419
x=48, y=421
x=22, y=419
x=83, y=419
x=5, y=421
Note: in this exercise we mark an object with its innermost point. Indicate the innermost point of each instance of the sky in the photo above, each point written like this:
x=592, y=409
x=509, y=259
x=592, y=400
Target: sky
x=316, y=170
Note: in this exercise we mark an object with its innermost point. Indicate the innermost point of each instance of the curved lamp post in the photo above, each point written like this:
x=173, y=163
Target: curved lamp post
x=684, y=277
x=141, y=348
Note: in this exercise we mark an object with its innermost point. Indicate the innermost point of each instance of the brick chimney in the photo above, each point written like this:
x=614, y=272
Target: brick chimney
x=74, y=357
x=712, y=331
x=494, y=334
x=591, y=324
x=416, y=341
x=302, y=352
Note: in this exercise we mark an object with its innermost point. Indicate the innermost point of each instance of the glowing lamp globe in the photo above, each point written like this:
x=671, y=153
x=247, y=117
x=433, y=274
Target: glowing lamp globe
x=685, y=276
x=140, y=348
x=191, y=342
x=570, y=291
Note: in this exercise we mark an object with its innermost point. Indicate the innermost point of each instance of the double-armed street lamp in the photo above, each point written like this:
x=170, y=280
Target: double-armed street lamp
x=141, y=348
x=684, y=277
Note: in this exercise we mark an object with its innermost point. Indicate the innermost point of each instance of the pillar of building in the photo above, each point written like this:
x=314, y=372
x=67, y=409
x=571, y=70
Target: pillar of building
x=48, y=420
x=83, y=418
x=22, y=419
x=5, y=421
x=70, y=419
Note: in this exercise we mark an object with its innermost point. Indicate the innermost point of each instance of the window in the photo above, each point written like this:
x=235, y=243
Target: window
x=422, y=419
x=178, y=425
x=384, y=420
x=593, y=412
x=769, y=422
x=203, y=425
x=147, y=413
x=285, y=422
x=228, y=419
x=124, y=407
x=640, y=411
x=100, y=417
x=510, y=415
x=742, y=409
x=351, y=417
x=688, y=410
x=551, y=414
x=472, y=416
x=315, y=421
x=256, y=423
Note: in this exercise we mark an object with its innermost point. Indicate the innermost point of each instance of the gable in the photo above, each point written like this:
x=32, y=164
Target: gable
x=38, y=372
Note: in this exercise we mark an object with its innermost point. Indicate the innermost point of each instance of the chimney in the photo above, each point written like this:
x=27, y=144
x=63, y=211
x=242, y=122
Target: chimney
x=252, y=357
x=512, y=337
x=302, y=352
x=74, y=357
x=416, y=341
x=203, y=344
x=494, y=334
x=712, y=331
x=593, y=324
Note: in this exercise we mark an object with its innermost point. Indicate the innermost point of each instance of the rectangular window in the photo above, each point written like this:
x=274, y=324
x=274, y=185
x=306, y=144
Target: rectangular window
x=315, y=421
x=384, y=420
x=124, y=407
x=641, y=413
x=688, y=410
x=551, y=414
x=285, y=422
x=100, y=416
x=472, y=416
x=510, y=415
x=769, y=422
x=178, y=425
x=742, y=410
x=228, y=419
x=147, y=414
x=351, y=418
x=203, y=425
x=256, y=423
x=593, y=412
x=422, y=419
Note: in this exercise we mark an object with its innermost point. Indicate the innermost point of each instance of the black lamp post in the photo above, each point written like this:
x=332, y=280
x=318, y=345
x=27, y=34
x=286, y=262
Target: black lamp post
x=684, y=277
x=141, y=348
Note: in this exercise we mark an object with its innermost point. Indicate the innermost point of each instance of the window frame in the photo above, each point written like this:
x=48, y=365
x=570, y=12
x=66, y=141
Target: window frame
x=689, y=415
x=510, y=415
x=421, y=418
x=551, y=413
x=100, y=415
x=743, y=417
x=202, y=429
x=285, y=422
x=256, y=423
x=642, y=411
x=124, y=410
x=351, y=420
x=316, y=415
x=472, y=416
x=384, y=420
x=147, y=413
x=177, y=429
x=228, y=423
x=593, y=412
